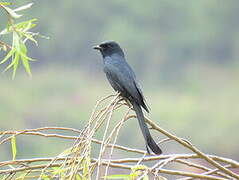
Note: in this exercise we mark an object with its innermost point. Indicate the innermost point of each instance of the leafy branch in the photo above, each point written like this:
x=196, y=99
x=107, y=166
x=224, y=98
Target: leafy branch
x=17, y=51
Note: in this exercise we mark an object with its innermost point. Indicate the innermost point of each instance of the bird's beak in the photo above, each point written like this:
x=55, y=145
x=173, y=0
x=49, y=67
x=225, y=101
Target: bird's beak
x=97, y=47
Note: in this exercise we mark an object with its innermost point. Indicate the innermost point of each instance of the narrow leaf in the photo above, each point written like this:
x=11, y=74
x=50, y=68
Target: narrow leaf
x=14, y=148
x=118, y=176
x=23, y=52
x=16, y=41
x=45, y=177
x=25, y=23
x=30, y=37
x=10, y=53
x=12, y=63
x=15, y=65
x=9, y=26
x=27, y=27
x=78, y=177
x=11, y=12
x=27, y=6
x=66, y=152
x=5, y=3
x=19, y=26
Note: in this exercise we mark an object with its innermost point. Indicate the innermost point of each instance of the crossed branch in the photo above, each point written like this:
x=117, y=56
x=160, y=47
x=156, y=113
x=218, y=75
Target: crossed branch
x=79, y=161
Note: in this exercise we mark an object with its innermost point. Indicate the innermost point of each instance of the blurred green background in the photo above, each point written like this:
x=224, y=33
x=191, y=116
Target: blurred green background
x=185, y=54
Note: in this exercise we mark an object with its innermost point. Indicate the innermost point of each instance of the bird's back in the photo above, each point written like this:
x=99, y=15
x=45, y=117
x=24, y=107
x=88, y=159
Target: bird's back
x=122, y=78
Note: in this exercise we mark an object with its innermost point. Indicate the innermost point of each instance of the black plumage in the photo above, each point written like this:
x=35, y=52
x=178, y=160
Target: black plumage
x=122, y=78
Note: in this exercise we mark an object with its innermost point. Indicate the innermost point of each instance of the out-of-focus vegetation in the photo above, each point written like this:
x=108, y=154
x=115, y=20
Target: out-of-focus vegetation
x=185, y=54
x=19, y=33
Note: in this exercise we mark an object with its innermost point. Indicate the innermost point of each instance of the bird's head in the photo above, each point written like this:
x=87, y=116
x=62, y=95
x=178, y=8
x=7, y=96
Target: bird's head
x=109, y=48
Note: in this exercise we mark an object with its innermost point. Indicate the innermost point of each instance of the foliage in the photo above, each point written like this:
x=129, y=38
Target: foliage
x=14, y=147
x=20, y=32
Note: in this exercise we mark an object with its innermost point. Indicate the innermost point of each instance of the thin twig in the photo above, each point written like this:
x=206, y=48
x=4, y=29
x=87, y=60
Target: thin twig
x=194, y=149
x=79, y=159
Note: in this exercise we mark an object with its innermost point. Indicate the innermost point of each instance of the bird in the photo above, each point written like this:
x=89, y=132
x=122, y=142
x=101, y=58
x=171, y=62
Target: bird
x=123, y=80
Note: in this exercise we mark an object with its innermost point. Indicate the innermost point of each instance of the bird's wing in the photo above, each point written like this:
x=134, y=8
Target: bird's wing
x=143, y=102
x=122, y=79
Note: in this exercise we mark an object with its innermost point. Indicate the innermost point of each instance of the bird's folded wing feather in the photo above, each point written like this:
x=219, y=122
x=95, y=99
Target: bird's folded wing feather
x=122, y=79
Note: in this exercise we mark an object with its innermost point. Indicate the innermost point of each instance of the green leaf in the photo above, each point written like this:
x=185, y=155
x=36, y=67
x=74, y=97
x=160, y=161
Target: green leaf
x=139, y=167
x=45, y=177
x=66, y=152
x=10, y=53
x=22, y=48
x=11, y=12
x=30, y=37
x=24, y=24
x=27, y=6
x=14, y=148
x=5, y=3
x=12, y=63
x=15, y=65
x=59, y=171
x=23, y=52
x=78, y=177
x=26, y=65
x=118, y=176
x=135, y=174
x=27, y=27
x=15, y=41
x=86, y=167
x=8, y=26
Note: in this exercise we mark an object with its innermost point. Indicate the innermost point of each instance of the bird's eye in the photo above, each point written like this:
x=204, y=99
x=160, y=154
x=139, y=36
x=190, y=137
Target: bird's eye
x=106, y=46
x=103, y=45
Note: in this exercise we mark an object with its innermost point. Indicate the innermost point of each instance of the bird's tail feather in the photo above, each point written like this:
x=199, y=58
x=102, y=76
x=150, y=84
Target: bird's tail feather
x=144, y=128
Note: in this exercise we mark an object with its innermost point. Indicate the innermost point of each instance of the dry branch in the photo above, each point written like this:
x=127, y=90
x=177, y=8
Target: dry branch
x=78, y=161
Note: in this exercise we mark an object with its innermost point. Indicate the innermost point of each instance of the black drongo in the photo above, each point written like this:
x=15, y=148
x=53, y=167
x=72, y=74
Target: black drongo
x=122, y=79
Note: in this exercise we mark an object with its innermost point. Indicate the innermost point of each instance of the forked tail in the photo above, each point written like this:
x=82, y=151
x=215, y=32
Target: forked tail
x=145, y=130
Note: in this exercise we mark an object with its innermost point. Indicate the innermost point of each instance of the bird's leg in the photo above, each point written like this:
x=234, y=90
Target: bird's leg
x=126, y=100
x=128, y=103
x=121, y=97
